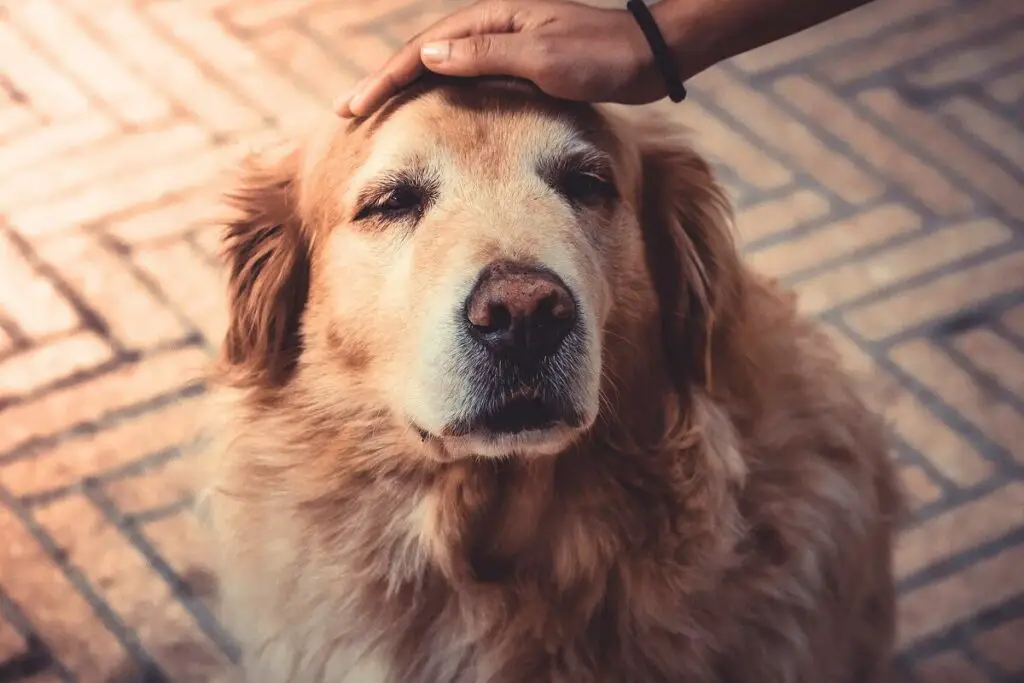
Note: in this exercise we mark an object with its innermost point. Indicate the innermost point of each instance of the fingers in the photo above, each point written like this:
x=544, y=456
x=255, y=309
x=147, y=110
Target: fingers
x=488, y=55
x=406, y=64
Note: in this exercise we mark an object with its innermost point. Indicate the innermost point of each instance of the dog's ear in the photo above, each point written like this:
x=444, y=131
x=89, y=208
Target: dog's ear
x=266, y=250
x=687, y=222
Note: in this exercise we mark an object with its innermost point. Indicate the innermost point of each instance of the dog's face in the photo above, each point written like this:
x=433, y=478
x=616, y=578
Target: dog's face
x=462, y=257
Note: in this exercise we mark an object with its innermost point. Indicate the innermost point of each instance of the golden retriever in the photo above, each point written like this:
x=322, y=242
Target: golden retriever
x=500, y=403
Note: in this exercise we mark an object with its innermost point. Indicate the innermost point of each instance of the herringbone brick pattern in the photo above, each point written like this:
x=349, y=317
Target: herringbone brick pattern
x=877, y=164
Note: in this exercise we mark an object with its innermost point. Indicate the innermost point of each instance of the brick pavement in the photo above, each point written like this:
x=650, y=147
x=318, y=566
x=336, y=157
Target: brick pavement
x=876, y=164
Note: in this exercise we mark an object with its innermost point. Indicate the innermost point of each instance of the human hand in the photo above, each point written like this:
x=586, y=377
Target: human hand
x=567, y=49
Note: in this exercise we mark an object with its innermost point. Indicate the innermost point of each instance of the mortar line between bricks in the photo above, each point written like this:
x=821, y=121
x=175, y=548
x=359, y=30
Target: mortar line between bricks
x=34, y=643
x=947, y=486
x=807, y=61
x=955, y=564
x=204, y=67
x=86, y=314
x=151, y=515
x=94, y=99
x=949, y=49
x=958, y=632
x=81, y=584
x=33, y=445
x=843, y=149
x=11, y=328
x=980, y=146
x=965, y=495
x=936, y=274
x=137, y=467
x=195, y=607
x=176, y=108
x=984, y=380
x=121, y=253
x=948, y=172
x=839, y=207
x=1009, y=336
x=989, y=670
x=84, y=375
x=936, y=404
x=177, y=155
x=960, y=320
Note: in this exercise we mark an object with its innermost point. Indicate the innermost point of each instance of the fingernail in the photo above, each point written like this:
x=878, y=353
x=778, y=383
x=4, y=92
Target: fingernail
x=436, y=52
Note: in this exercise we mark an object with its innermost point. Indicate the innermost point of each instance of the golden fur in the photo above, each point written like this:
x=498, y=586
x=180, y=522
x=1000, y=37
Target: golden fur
x=725, y=516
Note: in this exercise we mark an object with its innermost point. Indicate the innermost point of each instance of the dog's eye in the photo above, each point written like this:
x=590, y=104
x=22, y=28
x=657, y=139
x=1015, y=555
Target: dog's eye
x=397, y=202
x=402, y=199
x=583, y=186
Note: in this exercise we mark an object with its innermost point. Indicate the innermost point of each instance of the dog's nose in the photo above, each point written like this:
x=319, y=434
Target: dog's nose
x=521, y=311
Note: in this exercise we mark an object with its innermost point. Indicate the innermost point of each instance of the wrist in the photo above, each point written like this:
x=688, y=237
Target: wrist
x=690, y=43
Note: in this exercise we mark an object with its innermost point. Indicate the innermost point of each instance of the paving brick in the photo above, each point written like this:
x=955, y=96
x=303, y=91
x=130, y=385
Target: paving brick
x=92, y=455
x=28, y=298
x=992, y=354
x=968, y=64
x=1004, y=136
x=169, y=217
x=141, y=598
x=104, y=162
x=235, y=63
x=920, y=428
x=208, y=239
x=774, y=127
x=126, y=97
x=59, y=410
x=939, y=298
x=46, y=143
x=11, y=642
x=949, y=667
x=365, y=51
x=920, y=488
x=723, y=144
x=930, y=135
x=878, y=149
x=45, y=87
x=200, y=296
x=162, y=486
x=944, y=29
x=205, y=99
x=15, y=118
x=900, y=263
x=264, y=14
x=50, y=361
x=998, y=421
x=105, y=201
x=134, y=316
x=64, y=620
x=777, y=215
x=336, y=19
x=183, y=543
x=306, y=61
x=859, y=24
x=1008, y=88
x=960, y=529
x=837, y=240
x=936, y=606
x=1003, y=646
x=1014, y=320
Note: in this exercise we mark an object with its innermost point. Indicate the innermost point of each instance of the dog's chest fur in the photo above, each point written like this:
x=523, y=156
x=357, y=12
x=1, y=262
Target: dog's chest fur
x=553, y=570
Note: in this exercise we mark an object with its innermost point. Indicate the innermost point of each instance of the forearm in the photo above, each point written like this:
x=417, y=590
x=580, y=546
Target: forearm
x=702, y=33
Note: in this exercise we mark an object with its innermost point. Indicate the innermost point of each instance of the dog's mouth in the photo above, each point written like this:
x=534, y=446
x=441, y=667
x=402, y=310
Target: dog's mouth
x=513, y=416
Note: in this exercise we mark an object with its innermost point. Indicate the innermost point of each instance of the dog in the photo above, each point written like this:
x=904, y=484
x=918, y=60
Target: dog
x=499, y=402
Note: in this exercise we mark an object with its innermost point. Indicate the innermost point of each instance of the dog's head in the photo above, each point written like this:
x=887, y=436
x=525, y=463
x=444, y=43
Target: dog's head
x=477, y=259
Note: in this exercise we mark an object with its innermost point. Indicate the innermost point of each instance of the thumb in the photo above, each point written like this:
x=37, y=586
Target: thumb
x=486, y=55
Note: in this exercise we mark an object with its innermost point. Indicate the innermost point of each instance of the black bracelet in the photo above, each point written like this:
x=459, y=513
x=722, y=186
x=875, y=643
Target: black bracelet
x=662, y=55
